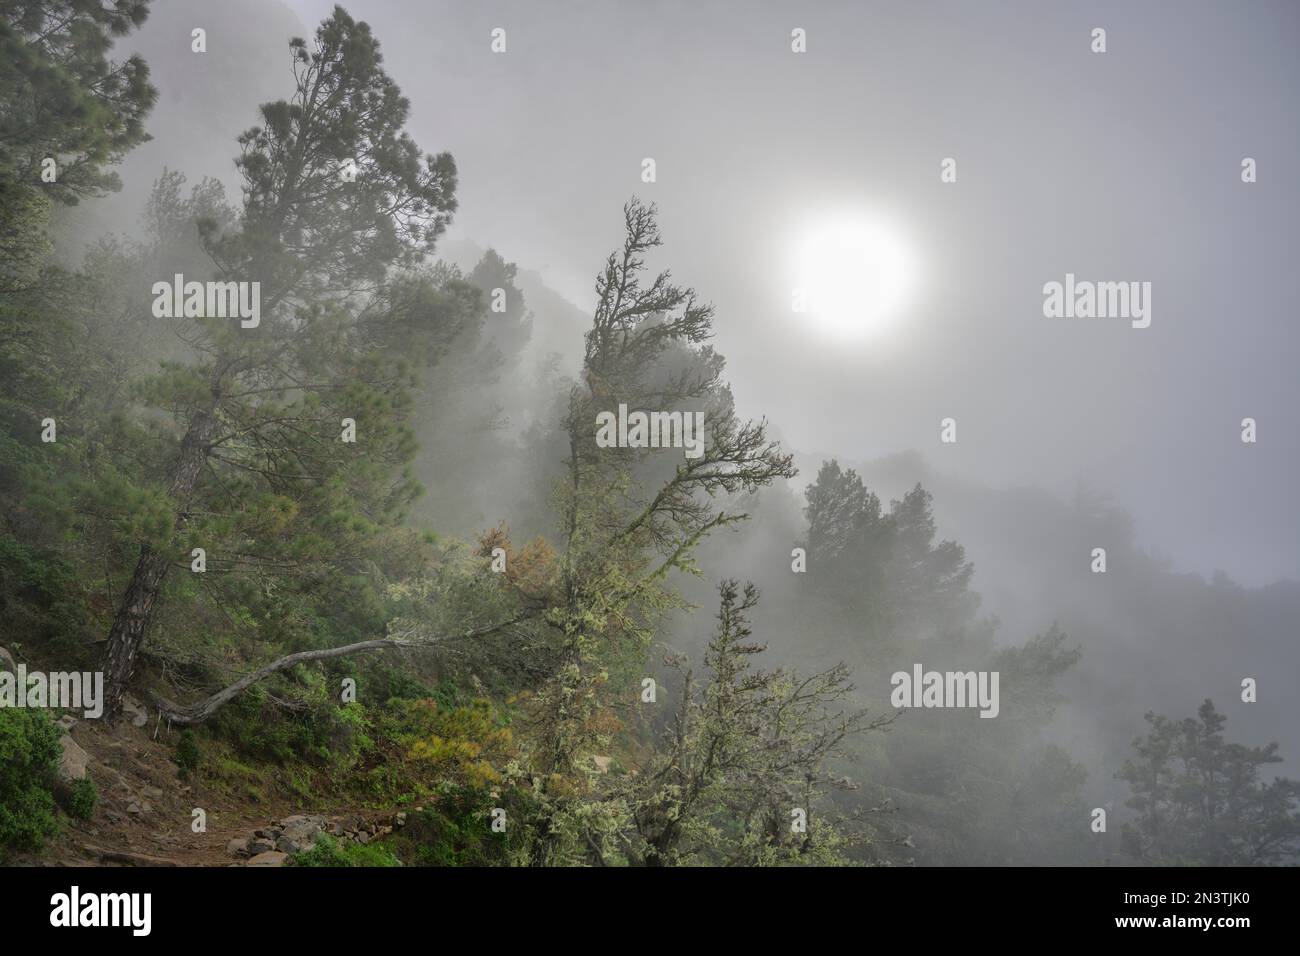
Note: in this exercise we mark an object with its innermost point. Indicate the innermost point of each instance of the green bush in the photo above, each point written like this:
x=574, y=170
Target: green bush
x=187, y=754
x=29, y=756
x=454, y=833
x=330, y=852
x=258, y=730
x=81, y=799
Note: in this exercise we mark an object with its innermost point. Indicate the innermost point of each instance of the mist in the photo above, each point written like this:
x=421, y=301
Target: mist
x=1002, y=152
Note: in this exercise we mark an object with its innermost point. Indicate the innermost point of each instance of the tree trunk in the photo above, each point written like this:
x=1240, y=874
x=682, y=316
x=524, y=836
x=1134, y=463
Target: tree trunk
x=136, y=610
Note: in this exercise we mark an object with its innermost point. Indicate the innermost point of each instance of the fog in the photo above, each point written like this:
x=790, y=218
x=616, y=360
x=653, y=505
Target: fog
x=1071, y=433
x=1118, y=166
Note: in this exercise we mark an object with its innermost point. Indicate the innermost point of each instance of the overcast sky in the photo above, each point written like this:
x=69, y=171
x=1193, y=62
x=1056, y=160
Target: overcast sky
x=1122, y=166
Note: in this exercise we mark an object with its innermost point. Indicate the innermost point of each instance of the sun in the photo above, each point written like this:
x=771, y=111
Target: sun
x=854, y=276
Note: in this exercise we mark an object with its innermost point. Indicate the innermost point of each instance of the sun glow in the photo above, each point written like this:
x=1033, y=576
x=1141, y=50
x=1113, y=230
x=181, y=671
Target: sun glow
x=854, y=276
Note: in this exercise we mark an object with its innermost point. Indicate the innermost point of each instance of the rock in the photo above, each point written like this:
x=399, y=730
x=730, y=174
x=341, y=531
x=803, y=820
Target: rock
x=135, y=710
x=72, y=764
x=66, y=722
x=602, y=763
x=258, y=846
x=269, y=858
x=300, y=832
x=238, y=846
x=153, y=793
x=363, y=838
x=7, y=661
x=136, y=808
x=300, y=818
x=266, y=834
x=399, y=820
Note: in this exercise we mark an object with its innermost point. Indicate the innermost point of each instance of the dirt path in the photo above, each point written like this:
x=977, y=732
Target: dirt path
x=145, y=813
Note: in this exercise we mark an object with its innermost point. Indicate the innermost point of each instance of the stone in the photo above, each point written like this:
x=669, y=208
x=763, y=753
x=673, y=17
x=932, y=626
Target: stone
x=301, y=831
x=259, y=845
x=73, y=762
x=238, y=846
x=399, y=820
x=7, y=661
x=133, y=709
x=290, y=845
x=269, y=858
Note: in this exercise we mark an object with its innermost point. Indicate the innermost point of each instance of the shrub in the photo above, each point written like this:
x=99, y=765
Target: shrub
x=330, y=852
x=455, y=832
x=187, y=754
x=29, y=755
x=81, y=799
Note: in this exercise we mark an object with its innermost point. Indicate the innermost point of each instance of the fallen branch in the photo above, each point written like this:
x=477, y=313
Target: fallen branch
x=191, y=714
x=128, y=858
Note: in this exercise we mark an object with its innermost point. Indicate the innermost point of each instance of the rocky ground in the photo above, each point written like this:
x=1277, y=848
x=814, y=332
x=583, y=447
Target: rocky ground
x=146, y=815
x=272, y=845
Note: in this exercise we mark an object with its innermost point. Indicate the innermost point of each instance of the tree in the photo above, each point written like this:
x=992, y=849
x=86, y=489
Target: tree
x=960, y=789
x=336, y=198
x=510, y=328
x=1200, y=800
x=618, y=540
x=745, y=752
x=896, y=578
x=62, y=99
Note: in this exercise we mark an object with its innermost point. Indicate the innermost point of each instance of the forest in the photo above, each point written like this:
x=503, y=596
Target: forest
x=383, y=553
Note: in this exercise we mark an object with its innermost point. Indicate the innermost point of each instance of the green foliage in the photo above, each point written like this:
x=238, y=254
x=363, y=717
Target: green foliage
x=1200, y=800
x=38, y=592
x=257, y=729
x=464, y=744
x=81, y=799
x=187, y=753
x=63, y=98
x=330, y=852
x=29, y=754
x=457, y=832
x=344, y=107
x=740, y=753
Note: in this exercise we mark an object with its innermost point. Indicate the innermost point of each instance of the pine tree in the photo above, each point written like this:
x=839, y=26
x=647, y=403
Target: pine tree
x=619, y=540
x=336, y=198
x=61, y=98
x=745, y=751
x=1200, y=800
